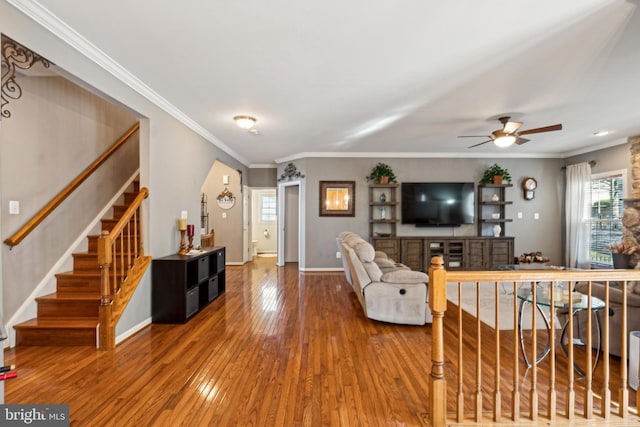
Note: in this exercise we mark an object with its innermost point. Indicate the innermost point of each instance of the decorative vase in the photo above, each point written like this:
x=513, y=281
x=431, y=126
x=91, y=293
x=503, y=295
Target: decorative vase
x=497, y=179
x=495, y=198
x=383, y=213
x=383, y=197
x=620, y=261
x=496, y=230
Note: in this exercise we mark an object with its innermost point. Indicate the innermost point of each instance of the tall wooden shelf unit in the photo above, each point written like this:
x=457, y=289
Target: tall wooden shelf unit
x=383, y=213
x=487, y=207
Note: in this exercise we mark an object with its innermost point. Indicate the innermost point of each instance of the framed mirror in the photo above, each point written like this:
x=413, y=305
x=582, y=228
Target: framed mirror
x=337, y=198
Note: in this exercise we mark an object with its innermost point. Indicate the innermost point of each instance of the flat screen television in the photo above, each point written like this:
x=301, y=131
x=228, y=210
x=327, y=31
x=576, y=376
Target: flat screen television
x=438, y=204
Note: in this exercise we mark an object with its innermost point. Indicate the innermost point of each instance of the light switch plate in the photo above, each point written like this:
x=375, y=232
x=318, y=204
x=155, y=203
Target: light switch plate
x=14, y=207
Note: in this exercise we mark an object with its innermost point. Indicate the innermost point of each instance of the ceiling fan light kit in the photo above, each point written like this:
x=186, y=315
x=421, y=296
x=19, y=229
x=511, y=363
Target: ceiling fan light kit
x=509, y=133
x=504, y=141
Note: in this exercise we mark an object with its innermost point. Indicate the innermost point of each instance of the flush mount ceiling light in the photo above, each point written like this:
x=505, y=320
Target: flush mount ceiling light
x=245, y=122
x=601, y=133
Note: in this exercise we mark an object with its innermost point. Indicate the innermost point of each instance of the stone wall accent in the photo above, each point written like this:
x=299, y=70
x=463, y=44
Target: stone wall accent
x=631, y=213
x=635, y=166
x=631, y=227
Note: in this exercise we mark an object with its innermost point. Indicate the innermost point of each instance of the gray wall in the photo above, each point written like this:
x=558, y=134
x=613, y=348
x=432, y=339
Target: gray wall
x=262, y=177
x=607, y=159
x=531, y=235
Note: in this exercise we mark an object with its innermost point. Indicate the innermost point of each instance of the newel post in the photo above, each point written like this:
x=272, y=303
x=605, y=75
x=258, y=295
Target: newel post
x=106, y=337
x=438, y=305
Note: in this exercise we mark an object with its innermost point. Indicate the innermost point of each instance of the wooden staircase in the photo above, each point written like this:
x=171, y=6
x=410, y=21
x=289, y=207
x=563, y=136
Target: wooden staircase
x=69, y=316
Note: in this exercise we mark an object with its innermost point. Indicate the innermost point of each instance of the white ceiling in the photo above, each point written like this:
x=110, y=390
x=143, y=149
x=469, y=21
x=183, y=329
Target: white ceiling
x=376, y=77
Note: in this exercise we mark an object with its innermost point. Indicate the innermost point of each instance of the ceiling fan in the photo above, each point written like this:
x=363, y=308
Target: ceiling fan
x=509, y=133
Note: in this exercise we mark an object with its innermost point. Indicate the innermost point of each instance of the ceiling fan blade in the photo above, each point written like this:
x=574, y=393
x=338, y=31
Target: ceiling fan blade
x=511, y=127
x=484, y=142
x=520, y=141
x=473, y=136
x=539, y=130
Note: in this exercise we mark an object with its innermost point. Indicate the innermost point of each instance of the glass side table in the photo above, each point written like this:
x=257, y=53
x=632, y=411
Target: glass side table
x=542, y=301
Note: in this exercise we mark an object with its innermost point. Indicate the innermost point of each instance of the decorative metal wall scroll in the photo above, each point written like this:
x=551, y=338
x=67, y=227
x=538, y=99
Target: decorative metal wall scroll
x=14, y=55
x=290, y=172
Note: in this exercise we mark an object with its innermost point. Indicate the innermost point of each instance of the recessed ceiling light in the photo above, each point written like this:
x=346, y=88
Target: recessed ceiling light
x=601, y=133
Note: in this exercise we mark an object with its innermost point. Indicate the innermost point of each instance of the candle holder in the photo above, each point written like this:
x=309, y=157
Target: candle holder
x=190, y=243
x=183, y=247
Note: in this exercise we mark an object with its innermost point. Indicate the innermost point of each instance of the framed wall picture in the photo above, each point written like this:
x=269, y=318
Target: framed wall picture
x=337, y=198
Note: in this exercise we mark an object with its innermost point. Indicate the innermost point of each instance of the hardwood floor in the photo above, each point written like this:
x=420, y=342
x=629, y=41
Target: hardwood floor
x=279, y=348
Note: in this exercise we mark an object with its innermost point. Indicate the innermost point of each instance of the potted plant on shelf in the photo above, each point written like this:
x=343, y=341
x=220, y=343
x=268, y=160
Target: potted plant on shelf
x=496, y=175
x=382, y=174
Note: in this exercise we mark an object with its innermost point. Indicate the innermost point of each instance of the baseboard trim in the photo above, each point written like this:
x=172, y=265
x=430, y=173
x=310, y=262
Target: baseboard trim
x=133, y=330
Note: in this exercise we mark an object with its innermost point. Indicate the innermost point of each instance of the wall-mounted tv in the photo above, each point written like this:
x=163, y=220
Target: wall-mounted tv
x=438, y=204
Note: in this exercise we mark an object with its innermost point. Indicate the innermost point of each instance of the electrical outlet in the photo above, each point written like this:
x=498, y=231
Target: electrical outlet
x=338, y=255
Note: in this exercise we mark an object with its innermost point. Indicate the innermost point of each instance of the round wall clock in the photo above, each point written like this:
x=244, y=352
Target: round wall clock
x=528, y=187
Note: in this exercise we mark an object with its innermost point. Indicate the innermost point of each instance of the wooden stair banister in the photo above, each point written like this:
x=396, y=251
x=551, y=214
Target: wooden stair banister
x=438, y=306
x=26, y=229
x=595, y=389
x=120, y=271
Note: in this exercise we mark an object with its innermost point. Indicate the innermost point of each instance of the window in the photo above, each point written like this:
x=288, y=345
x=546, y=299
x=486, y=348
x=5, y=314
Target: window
x=267, y=208
x=607, y=194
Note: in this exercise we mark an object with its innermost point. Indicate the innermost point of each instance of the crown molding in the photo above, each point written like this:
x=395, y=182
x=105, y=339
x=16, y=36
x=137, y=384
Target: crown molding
x=425, y=155
x=59, y=28
x=592, y=148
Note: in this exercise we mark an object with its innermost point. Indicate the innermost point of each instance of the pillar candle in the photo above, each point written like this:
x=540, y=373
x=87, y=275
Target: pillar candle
x=182, y=224
x=190, y=230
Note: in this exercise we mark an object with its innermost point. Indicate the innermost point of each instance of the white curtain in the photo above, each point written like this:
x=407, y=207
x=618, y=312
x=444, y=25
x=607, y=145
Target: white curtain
x=578, y=216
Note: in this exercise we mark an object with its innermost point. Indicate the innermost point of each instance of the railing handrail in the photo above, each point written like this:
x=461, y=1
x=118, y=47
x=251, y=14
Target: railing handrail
x=536, y=275
x=110, y=313
x=438, y=280
x=128, y=214
x=26, y=229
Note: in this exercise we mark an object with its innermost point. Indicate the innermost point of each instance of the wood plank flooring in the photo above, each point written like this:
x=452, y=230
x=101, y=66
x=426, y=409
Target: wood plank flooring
x=279, y=348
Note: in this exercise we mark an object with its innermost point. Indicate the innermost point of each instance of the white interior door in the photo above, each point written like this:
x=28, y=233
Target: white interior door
x=284, y=224
x=292, y=224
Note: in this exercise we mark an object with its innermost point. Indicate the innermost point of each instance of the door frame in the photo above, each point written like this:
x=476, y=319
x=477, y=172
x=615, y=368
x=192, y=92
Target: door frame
x=282, y=221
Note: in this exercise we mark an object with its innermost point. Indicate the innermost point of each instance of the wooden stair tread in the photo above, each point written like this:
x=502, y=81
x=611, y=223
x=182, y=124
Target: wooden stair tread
x=70, y=316
x=59, y=322
x=71, y=296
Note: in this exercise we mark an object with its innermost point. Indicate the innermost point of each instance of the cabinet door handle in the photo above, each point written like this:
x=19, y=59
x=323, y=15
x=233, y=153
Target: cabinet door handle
x=402, y=292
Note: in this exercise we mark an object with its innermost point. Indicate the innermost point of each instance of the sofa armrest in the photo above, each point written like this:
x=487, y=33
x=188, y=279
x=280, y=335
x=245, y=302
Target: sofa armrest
x=615, y=294
x=380, y=254
x=403, y=276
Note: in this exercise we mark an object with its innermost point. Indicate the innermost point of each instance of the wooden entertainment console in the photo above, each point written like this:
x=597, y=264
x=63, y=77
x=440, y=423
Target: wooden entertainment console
x=482, y=252
x=459, y=253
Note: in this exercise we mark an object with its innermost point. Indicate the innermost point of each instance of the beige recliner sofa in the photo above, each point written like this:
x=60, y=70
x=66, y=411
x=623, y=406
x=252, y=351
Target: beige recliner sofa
x=387, y=291
x=614, y=313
